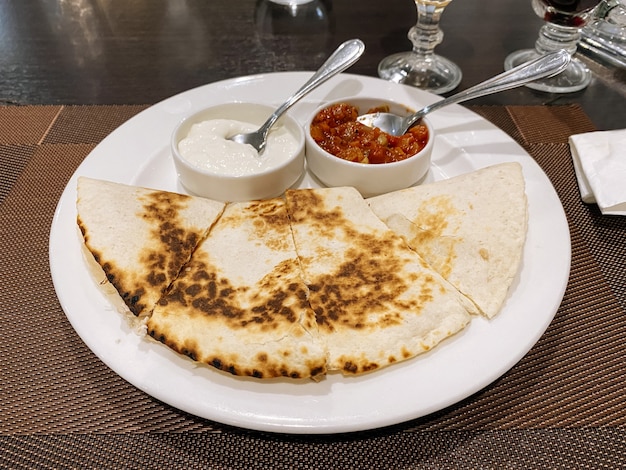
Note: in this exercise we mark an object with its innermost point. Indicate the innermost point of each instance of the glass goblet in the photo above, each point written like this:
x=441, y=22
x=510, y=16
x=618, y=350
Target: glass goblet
x=421, y=67
x=564, y=20
x=604, y=36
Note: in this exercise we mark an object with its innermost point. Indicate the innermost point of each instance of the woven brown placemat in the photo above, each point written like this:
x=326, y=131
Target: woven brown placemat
x=562, y=405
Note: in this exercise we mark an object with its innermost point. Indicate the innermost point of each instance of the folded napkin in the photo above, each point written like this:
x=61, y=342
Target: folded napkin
x=600, y=165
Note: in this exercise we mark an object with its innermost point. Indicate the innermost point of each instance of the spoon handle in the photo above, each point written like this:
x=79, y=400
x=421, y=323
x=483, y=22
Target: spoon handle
x=344, y=56
x=545, y=66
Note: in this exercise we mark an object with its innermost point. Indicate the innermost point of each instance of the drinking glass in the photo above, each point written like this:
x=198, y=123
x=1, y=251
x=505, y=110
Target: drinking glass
x=563, y=22
x=604, y=36
x=421, y=67
x=301, y=17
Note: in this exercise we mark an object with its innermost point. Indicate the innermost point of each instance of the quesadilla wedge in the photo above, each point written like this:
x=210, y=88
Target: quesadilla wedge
x=240, y=304
x=470, y=228
x=141, y=237
x=376, y=301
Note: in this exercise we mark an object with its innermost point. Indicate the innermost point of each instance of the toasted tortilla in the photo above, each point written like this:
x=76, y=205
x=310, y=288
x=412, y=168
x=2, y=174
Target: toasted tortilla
x=320, y=280
x=470, y=228
x=240, y=304
x=376, y=301
x=141, y=237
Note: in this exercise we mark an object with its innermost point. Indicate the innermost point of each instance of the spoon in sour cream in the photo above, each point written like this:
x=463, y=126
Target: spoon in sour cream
x=545, y=66
x=344, y=56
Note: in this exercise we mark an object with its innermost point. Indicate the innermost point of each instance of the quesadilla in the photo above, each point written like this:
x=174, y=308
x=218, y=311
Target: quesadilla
x=376, y=301
x=141, y=237
x=240, y=304
x=470, y=228
x=320, y=280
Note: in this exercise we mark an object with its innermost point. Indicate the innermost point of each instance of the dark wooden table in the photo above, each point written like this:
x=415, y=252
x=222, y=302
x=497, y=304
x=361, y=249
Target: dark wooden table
x=142, y=51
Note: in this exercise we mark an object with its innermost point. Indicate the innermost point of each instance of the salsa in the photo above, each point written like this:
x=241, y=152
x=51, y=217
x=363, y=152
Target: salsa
x=337, y=131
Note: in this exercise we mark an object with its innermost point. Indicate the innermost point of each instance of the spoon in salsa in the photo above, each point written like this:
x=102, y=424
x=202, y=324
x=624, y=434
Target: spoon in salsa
x=344, y=56
x=545, y=66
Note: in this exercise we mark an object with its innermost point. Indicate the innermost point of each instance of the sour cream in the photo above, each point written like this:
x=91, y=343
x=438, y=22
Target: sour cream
x=207, y=147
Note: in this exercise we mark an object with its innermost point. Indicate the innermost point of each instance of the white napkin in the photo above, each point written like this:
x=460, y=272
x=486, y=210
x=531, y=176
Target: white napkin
x=600, y=165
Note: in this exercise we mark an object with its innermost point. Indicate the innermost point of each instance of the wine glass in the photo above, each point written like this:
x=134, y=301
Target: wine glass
x=563, y=22
x=605, y=34
x=421, y=67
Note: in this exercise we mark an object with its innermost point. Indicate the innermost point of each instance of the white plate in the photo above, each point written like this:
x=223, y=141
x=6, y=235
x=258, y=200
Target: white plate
x=137, y=153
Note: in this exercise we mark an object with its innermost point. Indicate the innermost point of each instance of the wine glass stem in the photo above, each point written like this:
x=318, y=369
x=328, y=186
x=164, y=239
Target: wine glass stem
x=426, y=34
x=553, y=37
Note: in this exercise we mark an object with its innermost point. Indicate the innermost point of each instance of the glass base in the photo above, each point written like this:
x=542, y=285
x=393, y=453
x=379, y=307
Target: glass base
x=575, y=77
x=435, y=73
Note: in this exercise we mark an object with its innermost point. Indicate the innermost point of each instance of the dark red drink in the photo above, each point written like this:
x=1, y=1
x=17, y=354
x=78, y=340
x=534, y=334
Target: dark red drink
x=566, y=12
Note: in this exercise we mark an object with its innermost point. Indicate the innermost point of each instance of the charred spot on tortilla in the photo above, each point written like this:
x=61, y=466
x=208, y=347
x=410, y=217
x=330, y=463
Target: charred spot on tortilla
x=172, y=244
x=367, y=282
x=374, y=298
x=243, y=300
x=141, y=237
x=213, y=296
x=131, y=291
x=433, y=216
x=351, y=368
x=470, y=228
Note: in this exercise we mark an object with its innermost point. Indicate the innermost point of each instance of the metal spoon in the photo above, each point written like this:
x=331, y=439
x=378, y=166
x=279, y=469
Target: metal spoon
x=343, y=57
x=545, y=66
